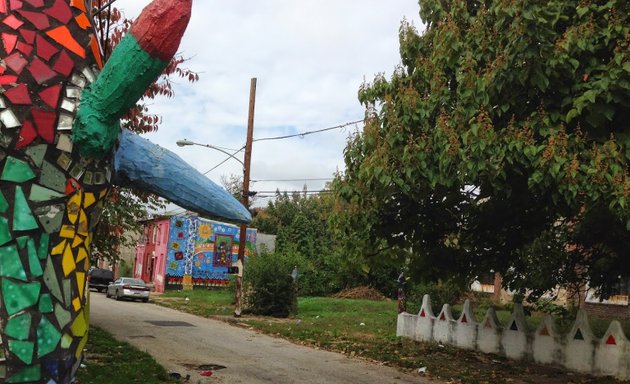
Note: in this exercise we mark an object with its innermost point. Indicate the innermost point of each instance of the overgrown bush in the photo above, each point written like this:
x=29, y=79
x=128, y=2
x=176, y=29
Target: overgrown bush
x=269, y=284
x=441, y=292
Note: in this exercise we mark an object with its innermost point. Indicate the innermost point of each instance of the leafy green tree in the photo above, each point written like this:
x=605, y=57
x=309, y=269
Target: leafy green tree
x=501, y=143
x=304, y=236
x=127, y=207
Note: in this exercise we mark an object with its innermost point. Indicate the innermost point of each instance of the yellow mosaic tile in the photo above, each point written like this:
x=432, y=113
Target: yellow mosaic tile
x=79, y=326
x=81, y=283
x=58, y=249
x=76, y=303
x=83, y=224
x=74, y=205
x=67, y=231
x=68, y=262
x=81, y=254
x=78, y=240
x=89, y=199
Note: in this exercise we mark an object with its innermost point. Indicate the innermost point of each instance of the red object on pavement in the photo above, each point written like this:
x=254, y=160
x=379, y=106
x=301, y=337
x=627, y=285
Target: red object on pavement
x=206, y=373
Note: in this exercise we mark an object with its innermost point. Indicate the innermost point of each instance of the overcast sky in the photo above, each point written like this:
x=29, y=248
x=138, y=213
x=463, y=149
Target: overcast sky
x=310, y=58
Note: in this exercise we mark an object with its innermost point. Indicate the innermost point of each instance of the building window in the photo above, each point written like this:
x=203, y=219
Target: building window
x=154, y=235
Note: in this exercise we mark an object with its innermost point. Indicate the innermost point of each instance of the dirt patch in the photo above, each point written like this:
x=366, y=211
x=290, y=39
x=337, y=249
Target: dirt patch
x=364, y=293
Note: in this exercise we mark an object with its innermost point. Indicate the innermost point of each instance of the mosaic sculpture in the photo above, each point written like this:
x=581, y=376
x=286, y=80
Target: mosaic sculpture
x=61, y=148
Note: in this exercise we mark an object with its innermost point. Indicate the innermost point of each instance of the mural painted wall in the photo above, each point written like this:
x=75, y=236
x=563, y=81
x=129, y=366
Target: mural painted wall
x=205, y=249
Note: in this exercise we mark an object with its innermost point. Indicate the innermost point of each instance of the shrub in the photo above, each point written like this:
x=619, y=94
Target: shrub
x=441, y=292
x=269, y=284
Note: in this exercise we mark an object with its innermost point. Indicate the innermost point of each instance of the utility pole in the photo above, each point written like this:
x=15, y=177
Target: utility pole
x=246, y=173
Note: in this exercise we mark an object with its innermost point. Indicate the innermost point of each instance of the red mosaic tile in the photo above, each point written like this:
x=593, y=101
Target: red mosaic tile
x=45, y=123
x=45, y=49
x=9, y=40
x=40, y=71
x=72, y=186
x=8, y=79
x=64, y=64
x=15, y=4
x=36, y=3
x=16, y=62
x=28, y=35
x=3, y=6
x=63, y=36
x=50, y=95
x=13, y=22
x=38, y=19
x=18, y=95
x=26, y=49
x=27, y=135
x=60, y=11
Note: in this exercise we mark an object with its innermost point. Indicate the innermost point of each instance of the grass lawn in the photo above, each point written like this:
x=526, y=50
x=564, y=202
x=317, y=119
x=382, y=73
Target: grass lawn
x=110, y=361
x=367, y=329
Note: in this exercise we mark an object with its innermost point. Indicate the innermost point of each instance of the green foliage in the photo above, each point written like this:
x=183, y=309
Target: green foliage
x=441, y=292
x=125, y=268
x=501, y=143
x=304, y=236
x=269, y=285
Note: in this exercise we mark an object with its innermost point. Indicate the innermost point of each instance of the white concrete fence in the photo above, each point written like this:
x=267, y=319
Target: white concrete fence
x=579, y=350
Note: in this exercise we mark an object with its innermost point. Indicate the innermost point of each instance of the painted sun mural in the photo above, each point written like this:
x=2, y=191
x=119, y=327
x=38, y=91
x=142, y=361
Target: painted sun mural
x=61, y=148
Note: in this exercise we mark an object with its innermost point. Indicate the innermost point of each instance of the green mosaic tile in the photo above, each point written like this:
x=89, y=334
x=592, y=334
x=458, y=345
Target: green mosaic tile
x=42, y=250
x=27, y=375
x=23, y=219
x=45, y=303
x=17, y=171
x=5, y=234
x=19, y=327
x=4, y=204
x=39, y=194
x=10, y=263
x=66, y=341
x=18, y=296
x=63, y=316
x=21, y=241
x=36, y=153
x=52, y=177
x=50, y=279
x=67, y=291
x=33, y=260
x=50, y=217
x=47, y=337
x=22, y=349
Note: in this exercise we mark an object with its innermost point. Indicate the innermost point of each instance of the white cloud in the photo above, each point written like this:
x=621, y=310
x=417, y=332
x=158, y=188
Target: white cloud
x=310, y=58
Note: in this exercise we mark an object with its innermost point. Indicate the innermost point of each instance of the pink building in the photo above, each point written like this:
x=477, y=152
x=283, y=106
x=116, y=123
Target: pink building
x=188, y=245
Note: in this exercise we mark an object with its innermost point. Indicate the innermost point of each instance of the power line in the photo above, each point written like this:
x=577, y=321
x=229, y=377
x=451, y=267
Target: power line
x=308, y=132
x=286, y=137
x=226, y=159
x=313, y=179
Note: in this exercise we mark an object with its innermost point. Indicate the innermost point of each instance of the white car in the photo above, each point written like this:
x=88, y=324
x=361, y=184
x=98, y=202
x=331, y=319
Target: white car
x=128, y=287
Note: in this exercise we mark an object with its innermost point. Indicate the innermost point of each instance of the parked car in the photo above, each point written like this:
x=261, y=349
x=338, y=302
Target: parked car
x=100, y=279
x=128, y=287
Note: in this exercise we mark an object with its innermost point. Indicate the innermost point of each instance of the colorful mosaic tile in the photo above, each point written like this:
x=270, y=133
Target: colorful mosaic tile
x=52, y=197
